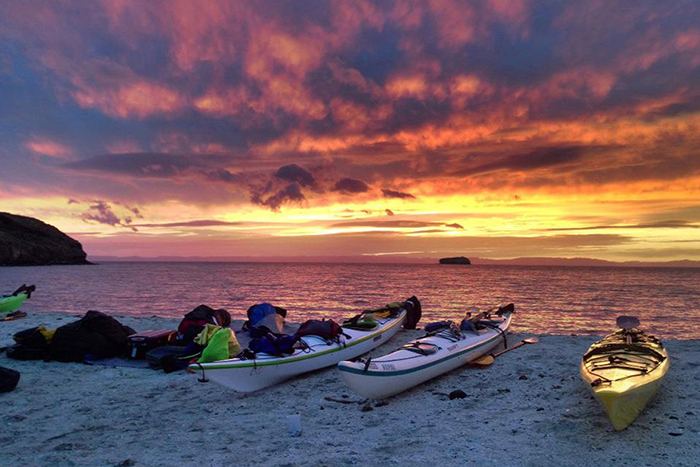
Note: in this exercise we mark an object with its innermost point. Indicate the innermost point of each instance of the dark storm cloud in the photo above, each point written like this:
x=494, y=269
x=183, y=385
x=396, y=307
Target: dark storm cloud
x=294, y=173
x=290, y=194
x=397, y=194
x=350, y=185
x=539, y=158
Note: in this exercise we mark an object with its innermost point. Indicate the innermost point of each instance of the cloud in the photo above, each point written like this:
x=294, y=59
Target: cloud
x=290, y=194
x=294, y=173
x=102, y=213
x=157, y=166
x=350, y=185
x=139, y=99
x=225, y=106
x=49, y=148
x=395, y=224
x=194, y=223
x=396, y=194
x=671, y=224
x=544, y=157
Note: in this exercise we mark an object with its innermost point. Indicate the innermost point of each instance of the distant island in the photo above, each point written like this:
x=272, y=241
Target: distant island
x=455, y=260
x=25, y=241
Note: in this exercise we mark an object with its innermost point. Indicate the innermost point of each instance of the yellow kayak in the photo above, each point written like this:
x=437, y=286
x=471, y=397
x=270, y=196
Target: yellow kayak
x=625, y=370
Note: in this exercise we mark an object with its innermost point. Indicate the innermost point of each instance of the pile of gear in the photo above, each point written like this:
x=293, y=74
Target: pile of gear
x=204, y=335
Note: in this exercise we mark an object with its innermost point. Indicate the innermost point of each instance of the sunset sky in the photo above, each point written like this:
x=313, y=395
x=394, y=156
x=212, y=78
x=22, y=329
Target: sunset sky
x=497, y=129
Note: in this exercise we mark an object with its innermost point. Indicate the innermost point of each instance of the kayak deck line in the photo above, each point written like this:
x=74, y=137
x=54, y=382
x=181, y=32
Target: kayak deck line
x=274, y=361
x=380, y=373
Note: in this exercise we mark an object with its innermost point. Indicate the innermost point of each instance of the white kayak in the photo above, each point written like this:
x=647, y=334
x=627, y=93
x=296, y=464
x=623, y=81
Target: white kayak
x=246, y=375
x=423, y=359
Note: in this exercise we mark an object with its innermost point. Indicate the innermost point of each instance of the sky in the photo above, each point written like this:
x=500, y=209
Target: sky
x=492, y=128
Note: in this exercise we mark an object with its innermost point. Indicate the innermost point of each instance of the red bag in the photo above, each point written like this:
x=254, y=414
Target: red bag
x=139, y=344
x=325, y=329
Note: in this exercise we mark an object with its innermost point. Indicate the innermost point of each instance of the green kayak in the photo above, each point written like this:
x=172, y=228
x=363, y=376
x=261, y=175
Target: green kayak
x=14, y=302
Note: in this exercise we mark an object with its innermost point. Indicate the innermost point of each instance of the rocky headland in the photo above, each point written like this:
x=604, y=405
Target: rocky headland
x=25, y=241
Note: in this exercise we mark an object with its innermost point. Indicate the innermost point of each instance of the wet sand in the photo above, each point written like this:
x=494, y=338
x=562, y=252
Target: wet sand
x=529, y=408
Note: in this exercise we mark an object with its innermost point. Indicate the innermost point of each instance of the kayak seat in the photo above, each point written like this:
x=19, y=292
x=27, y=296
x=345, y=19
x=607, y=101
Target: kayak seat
x=422, y=348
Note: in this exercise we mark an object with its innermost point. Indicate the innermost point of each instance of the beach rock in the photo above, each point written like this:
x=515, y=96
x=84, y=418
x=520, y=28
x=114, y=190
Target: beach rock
x=25, y=241
x=458, y=394
x=455, y=260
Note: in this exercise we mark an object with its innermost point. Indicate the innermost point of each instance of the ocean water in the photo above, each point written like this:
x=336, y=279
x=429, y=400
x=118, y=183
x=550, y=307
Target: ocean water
x=551, y=300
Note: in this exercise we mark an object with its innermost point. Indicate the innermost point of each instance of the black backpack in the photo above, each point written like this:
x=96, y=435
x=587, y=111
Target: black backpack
x=414, y=313
x=95, y=333
x=32, y=338
x=8, y=379
x=31, y=345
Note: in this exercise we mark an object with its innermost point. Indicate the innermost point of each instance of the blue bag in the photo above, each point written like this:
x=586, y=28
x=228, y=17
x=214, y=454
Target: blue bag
x=279, y=346
x=264, y=318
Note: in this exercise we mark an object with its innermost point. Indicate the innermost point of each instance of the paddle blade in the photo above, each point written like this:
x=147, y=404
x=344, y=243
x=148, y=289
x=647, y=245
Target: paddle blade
x=486, y=360
x=627, y=322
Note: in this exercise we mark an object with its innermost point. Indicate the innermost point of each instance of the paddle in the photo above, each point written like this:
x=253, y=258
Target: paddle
x=487, y=360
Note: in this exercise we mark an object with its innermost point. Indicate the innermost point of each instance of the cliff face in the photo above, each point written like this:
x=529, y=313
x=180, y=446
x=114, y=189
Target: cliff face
x=25, y=241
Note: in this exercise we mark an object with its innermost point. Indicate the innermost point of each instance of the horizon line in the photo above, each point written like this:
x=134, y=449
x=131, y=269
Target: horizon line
x=476, y=261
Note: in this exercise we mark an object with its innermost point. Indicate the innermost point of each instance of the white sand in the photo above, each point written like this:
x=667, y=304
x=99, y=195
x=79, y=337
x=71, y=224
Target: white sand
x=65, y=414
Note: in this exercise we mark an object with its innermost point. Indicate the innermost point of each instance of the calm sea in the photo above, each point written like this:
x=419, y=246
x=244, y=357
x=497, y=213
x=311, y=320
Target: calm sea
x=553, y=300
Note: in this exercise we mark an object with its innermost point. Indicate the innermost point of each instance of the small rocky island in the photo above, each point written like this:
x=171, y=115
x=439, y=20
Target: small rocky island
x=455, y=260
x=25, y=241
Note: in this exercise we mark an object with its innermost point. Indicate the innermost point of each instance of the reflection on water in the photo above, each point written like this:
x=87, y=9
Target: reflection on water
x=548, y=299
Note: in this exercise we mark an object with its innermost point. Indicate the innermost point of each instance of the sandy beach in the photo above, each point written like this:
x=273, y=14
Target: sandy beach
x=530, y=408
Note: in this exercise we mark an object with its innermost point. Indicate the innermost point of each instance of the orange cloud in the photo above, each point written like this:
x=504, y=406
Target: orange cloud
x=46, y=147
x=140, y=100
